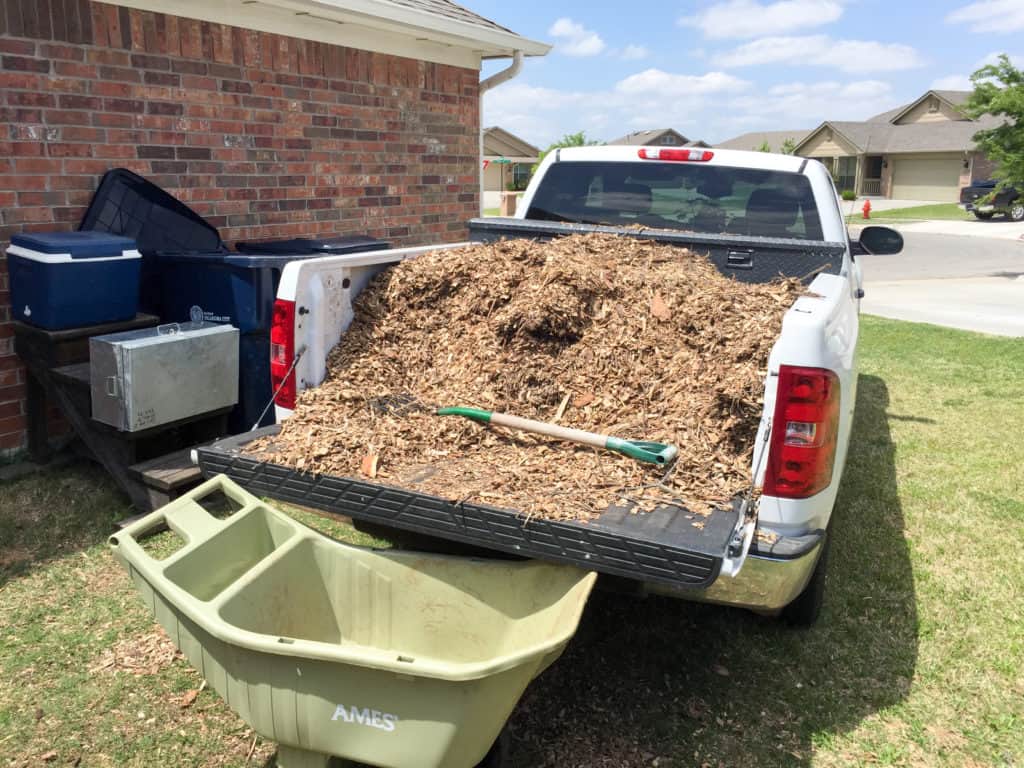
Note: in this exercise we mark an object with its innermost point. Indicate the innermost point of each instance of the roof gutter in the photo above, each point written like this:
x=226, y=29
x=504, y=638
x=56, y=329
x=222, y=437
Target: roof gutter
x=493, y=81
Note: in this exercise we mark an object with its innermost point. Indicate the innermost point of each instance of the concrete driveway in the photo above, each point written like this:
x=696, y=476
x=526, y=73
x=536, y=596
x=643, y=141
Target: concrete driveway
x=970, y=282
x=998, y=227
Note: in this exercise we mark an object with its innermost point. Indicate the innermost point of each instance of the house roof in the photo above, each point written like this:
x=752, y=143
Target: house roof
x=953, y=99
x=640, y=138
x=500, y=143
x=431, y=30
x=755, y=139
x=872, y=137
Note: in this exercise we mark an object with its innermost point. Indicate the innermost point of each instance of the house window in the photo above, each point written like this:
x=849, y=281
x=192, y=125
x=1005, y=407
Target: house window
x=933, y=105
x=845, y=173
x=520, y=175
x=668, y=139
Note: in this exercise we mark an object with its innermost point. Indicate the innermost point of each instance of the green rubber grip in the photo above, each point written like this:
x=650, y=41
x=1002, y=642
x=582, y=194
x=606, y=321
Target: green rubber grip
x=476, y=414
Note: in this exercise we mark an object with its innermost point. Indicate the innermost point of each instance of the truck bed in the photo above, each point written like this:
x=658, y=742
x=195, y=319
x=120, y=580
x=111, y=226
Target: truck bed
x=663, y=546
x=747, y=259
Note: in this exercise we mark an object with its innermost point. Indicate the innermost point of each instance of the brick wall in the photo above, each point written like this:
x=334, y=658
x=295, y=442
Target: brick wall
x=266, y=136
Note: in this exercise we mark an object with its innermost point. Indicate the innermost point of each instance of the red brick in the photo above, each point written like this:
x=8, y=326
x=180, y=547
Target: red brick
x=22, y=47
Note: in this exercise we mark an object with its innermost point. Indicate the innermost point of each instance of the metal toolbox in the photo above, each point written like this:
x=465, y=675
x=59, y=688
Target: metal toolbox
x=153, y=376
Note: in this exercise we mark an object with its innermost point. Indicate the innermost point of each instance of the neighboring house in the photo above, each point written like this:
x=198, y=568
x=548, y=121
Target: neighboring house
x=508, y=160
x=923, y=150
x=664, y=137
x=272, y=119
x=775, y=140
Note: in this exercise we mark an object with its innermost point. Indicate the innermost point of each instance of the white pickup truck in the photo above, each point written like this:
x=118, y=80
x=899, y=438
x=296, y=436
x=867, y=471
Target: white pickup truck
x=756, y=215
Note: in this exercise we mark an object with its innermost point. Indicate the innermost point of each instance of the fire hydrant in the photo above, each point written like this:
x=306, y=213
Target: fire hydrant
x=866, y=210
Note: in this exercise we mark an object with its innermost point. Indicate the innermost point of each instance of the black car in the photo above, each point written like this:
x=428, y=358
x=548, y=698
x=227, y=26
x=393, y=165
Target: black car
x=1006, y=201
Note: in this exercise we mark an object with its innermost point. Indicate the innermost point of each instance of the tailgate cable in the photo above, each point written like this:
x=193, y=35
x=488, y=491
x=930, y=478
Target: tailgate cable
x=273, y=397
x=743, y=536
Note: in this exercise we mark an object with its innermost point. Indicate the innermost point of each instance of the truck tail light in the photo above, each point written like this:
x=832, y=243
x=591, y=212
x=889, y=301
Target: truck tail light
x=804, y=432
x=675, y=155
x=282, y=353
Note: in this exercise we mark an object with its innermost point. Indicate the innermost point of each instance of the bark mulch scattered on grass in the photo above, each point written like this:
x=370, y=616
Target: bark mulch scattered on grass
x=603, y=333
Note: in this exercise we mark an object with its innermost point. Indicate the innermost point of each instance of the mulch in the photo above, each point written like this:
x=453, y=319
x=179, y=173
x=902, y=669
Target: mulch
x=603, y=333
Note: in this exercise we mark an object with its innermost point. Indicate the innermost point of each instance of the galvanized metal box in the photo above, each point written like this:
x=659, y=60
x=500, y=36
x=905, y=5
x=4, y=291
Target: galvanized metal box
x=153, y=376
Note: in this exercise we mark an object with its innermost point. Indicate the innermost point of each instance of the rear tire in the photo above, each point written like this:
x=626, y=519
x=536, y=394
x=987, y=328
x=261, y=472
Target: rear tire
x=983, y=215
x=806, y=607
x=1016, y=212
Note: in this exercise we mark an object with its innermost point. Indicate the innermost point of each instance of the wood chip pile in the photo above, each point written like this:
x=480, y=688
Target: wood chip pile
x=609, y=334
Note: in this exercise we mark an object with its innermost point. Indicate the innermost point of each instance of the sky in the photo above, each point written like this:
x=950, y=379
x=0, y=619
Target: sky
x=713, y=69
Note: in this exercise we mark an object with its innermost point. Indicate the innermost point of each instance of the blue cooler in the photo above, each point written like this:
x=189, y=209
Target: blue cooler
x=72, y=279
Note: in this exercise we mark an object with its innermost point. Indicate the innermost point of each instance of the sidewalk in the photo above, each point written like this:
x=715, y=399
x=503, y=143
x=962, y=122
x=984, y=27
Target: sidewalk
x=998, y=228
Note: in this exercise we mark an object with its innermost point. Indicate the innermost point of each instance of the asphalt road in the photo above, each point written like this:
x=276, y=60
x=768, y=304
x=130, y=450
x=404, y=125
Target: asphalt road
x=929, y=257
x=974, y=283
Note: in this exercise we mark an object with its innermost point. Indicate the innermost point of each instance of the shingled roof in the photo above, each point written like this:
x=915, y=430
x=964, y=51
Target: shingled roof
x=756, y=139
x=452, y=11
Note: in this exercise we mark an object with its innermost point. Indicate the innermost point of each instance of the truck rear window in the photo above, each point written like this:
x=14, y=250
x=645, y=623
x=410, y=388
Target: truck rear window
x=693, y=197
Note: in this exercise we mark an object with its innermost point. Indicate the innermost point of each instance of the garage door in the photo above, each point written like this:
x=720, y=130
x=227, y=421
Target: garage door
x=932, y=178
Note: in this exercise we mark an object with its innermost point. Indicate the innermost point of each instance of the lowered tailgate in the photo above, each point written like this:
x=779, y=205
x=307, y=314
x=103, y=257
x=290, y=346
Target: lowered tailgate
x=669, y=545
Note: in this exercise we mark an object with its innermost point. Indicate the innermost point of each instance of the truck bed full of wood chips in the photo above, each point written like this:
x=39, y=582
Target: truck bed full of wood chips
x=603, y=333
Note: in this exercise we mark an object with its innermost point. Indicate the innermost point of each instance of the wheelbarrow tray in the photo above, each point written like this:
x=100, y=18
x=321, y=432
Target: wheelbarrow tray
x=669, y=545
x=398, y=659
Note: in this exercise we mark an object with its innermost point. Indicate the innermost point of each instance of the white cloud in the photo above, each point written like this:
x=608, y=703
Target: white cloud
x=999, y=16
x=634, y=53
x=649, y=99
x=804, y=105
x=952, y=83
x=963, y=82
x=659, y=82
x=1016, y=59
x=748, y=18
x=573, y=39
x=857, y=56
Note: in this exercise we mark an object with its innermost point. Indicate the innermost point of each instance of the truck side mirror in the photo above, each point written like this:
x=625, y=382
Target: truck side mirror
x=880, y=241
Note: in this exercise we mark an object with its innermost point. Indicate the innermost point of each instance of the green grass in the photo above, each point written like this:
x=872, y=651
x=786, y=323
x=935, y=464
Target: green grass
x=492, y=212
x=942, y=211
x=917, y=660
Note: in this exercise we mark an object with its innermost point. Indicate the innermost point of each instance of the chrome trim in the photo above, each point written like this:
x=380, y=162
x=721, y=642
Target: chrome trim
x=765, y=584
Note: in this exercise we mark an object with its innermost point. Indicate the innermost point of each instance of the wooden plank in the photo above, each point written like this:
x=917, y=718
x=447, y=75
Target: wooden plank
x=169, y=472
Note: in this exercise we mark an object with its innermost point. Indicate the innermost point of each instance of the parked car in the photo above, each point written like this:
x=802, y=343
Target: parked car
x=1007, y=201
x=756, y=215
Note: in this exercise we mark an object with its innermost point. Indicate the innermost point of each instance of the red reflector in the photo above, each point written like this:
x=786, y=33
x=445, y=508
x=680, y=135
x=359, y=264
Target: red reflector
x=675, y=155
x=804, y=432
x=282, y=353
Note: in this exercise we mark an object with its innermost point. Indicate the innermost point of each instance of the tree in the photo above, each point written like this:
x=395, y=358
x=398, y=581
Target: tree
x=578, y=139
x=788, y=147
x=999, y=91
x=764, y=147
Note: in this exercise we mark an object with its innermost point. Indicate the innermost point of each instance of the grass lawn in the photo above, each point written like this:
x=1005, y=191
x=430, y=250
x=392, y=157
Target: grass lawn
x=918, y=659
x=492, y=211
x=944, y=211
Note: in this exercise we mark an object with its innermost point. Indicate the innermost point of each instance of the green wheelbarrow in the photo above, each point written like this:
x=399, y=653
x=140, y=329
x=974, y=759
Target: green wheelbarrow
x=388, y=658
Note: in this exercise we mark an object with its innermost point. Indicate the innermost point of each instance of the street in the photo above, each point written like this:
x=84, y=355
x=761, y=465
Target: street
x=970, y=282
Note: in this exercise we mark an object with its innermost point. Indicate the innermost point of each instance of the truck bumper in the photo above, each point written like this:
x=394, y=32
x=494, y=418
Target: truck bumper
x=768, y=581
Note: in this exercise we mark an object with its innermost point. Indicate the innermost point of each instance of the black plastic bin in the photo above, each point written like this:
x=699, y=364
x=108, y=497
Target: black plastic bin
x=186, y=264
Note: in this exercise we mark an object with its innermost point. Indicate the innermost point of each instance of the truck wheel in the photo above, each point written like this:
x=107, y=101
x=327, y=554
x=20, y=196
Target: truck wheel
x=1016, y=212
x=983, y=215
x=806, y=607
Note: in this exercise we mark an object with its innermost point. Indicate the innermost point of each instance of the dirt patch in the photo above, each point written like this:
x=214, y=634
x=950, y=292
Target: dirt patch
x=607, y=334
